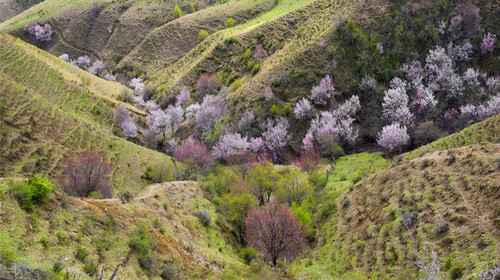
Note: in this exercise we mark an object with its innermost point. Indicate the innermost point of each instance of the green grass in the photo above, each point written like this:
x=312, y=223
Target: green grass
x=354, y=167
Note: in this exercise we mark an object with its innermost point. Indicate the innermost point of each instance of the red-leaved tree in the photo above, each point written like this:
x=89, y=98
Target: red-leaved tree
x=207, y=84
x=308, y=160
x=196, y=151
x=87, y=173
x=275, y=232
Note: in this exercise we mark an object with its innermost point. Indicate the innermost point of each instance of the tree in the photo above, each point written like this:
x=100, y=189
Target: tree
x=89, y=172
x=393, y=137
x=83, y=62
x=308, y=160
x=183, y=98
x=488, y=43
x=230, y=22
x=121, y=114
x=263, y=178
x=177, y=12
x=230, y=144
x=293, y=187
x=97, y=67
x=94, y=11
x=176, y=115
x=129, y=129
x=275, y=232
x=236, y=207
x=321, y=93
x=150, y=138
x=196, y=151
x=207, y=84
x=246, y=122
x=303, y=109
x=192, y=111
x=41, y=33
x=159, y=122
x=276, y=137
x=64, y=57
x=201, y=5
x=202, y=35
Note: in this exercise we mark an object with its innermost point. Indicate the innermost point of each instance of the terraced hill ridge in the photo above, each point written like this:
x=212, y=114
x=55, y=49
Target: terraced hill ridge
x=52, y=110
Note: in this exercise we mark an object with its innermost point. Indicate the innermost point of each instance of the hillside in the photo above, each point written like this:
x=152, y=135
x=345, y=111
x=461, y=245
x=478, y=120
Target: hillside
x=250, y=139
x=11, y=8
x=448, y=196
x=103, y=228
x=56, y=110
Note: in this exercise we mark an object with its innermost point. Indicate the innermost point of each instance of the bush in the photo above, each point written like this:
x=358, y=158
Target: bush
x=7, y=254
x=230, y=22
x=168, y=272
x=31, y=192
x=204, y=217
x=248, y=254
x=90, y=268
x=87, y=173
x=81, y=253
x=140, y=244
x=158, y=173
x=202, y=35
x=177, y=12
x=57, y=266
x=45, y=242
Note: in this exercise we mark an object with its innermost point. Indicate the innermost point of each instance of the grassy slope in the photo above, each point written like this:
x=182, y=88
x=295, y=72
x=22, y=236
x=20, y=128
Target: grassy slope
x=11, y=8
x=185, y=71
x=196, y=252
x=47, y=117
x=168, y=43
x=368, y=239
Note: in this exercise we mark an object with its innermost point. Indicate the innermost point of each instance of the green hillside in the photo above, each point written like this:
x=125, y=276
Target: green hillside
x=56, y=110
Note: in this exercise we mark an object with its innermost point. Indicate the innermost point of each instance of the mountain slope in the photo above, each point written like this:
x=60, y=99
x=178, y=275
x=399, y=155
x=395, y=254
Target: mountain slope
x=166, y=212
x=55, y=110
x=449, y=198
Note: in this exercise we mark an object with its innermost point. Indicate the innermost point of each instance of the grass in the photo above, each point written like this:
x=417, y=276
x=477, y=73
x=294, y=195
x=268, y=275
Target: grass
x=100, y=231
x=485, y=131
x=355, y=167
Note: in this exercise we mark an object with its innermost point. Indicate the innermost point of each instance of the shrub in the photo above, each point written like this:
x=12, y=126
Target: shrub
x=248, y=254
x=236, y=207
x=168, y=272
x=207, y=84
x=230, y=22
x=140, y=244
x=45, y=242
x=202, y=35
x=81, y=253
x=158, y=173
x=7, y=253
x=456, y=272
x=204, y=217
x=177, y=12
x=31, y=192
x=57, y=266
x=90, y=268
x=88, y=172
x=94, y=11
